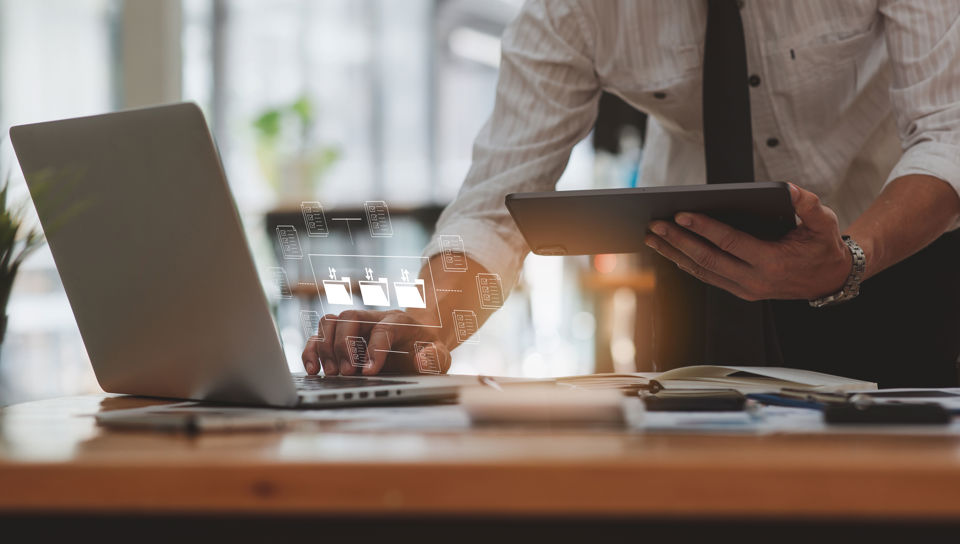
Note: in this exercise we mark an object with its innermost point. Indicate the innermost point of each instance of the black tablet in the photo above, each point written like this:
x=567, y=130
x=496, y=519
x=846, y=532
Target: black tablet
x=616, y=220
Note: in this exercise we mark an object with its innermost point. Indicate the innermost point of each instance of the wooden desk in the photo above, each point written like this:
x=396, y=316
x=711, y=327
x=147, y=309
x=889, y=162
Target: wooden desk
x=54, y=459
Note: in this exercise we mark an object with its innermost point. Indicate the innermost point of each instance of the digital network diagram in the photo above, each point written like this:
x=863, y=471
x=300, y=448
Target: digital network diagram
x=370, y=284
x=375, y=282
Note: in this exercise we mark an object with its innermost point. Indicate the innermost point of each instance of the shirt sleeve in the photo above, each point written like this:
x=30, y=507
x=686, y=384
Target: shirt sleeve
x=923, y=42
x=546, y=101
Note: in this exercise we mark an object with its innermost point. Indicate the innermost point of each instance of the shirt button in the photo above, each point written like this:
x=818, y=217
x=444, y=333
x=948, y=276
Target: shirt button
x=772, y=142
x=660, y=95
x=754, y=80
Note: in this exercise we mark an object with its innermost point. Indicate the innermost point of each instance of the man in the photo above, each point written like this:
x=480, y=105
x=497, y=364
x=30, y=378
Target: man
x=857, y=103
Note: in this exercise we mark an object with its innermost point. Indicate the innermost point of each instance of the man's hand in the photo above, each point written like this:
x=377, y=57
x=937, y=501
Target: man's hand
x=810, y=261
x=390, y=335
x=390, y=338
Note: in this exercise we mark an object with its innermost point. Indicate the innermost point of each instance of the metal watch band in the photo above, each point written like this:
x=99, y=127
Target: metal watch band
x=851, y=288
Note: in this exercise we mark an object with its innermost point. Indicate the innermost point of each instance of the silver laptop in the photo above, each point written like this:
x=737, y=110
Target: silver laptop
x=150, y=249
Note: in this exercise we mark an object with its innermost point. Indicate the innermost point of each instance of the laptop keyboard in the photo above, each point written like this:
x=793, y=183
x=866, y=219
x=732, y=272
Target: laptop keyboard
x=320, y=383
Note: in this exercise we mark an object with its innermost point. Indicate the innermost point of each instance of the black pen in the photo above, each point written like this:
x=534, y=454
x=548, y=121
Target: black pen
x=652, y=387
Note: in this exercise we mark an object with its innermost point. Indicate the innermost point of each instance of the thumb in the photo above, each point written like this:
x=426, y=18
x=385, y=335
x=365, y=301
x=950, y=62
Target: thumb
x=814, y=215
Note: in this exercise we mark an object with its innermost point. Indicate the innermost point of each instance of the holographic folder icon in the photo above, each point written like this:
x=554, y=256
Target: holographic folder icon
x=410, y=294
x=490, y=291
x=375, y=293
x=357, y=348
x=428, y=360
x=465, y=324
x=310, y=323
x=338, y=292
x=281, y=287
x=454, y=258
x=289, y=242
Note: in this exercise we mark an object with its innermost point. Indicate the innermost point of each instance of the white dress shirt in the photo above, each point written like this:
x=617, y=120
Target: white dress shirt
x=852, y=94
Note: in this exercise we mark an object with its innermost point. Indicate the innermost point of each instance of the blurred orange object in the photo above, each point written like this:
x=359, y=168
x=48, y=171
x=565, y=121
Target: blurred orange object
x=605, y=263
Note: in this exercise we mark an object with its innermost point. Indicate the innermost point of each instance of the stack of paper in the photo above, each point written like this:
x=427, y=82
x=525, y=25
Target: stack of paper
x=746, y=379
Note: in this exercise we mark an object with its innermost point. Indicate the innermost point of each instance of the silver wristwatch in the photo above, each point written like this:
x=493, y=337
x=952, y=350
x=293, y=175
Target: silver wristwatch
x=851, y=288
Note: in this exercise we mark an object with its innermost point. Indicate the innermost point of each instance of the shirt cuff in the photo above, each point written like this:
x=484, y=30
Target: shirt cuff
x=935, y=159
x=501, y=250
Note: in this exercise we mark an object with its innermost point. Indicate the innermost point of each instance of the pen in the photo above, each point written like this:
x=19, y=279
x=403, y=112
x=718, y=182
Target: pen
x=822, y=397
x=490, y=382
x=775, y=399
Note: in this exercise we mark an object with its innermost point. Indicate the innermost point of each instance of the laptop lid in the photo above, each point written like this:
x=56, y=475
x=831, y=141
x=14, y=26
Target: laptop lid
x=149, y=246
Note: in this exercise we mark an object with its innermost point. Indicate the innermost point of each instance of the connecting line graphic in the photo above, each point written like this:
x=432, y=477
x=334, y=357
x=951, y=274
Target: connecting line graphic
x=347, y=221
x=449, y=290
x=393, y=351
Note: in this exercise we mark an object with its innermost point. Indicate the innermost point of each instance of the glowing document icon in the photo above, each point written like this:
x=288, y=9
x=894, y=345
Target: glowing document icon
x=375, y=293
x=378, y=217
x=310, y=323
x=314, y=219
x=490, y=290
x=281, y=287
x=357, y=348
x=410, y=294
x=453, y=257
x=465, y=324
x=428, y=360
x=338, y=292
x=289, y=242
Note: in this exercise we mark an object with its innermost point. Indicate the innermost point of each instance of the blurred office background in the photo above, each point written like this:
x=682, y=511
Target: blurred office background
x=339, y=101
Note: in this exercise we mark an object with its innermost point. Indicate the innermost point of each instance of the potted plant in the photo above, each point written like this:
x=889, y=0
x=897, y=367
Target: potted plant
x=291, y=162
x=17, y=242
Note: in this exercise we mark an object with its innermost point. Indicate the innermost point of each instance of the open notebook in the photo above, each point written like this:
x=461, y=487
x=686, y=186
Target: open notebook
x=746, y=379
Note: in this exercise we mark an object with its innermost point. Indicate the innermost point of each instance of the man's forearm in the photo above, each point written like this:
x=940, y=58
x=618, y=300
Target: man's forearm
x=911, y=212
x=455, y=291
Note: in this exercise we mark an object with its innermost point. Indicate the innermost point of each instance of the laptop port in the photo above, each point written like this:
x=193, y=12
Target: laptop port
x=363, y=394
x=384, y=393
x=347, y=396
x=320, y=398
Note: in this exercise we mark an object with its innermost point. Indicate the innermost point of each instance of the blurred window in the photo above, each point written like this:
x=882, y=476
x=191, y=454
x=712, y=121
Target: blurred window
x=396, y=91
x=338, y=100
x=57, y=59
x=361, y=68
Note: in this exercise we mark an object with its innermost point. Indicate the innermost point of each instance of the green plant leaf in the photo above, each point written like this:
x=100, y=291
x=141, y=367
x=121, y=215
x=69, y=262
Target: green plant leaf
x=268, y=124
x=303, y=107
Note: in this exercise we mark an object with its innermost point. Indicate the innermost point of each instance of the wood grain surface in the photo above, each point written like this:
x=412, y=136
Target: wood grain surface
x=53, y=458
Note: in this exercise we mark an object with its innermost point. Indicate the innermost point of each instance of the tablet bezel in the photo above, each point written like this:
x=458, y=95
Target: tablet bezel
x=590, y=222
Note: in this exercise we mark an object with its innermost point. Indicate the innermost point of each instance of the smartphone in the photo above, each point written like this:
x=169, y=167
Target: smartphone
x=929, y=413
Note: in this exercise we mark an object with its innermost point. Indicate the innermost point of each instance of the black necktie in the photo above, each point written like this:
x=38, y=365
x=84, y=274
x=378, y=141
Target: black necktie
x=697, y=323
x=727, y=135
x=734, y=330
